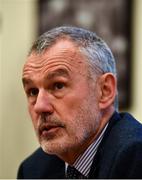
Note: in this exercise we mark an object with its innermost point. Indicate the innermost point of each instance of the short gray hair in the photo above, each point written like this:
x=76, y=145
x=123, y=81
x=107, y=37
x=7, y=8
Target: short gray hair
x=99, y=56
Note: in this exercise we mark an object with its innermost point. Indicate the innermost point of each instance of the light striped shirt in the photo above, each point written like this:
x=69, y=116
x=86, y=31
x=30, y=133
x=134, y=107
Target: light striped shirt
x=84, y=161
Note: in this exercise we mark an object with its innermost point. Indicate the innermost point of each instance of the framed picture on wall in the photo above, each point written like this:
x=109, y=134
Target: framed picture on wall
x=111, y=20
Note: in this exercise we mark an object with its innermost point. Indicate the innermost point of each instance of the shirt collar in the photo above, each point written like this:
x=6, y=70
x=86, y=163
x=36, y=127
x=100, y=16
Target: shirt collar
x=84, y=161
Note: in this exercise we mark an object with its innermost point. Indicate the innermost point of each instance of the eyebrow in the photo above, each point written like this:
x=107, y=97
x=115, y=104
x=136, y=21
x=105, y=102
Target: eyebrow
x=51, y=75
x=56, y=73
x=26, y=81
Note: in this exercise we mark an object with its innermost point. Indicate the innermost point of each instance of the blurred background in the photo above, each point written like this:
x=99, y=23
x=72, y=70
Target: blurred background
x=118, y=22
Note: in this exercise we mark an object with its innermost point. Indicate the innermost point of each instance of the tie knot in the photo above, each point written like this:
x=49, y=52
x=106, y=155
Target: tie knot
x=73, y=173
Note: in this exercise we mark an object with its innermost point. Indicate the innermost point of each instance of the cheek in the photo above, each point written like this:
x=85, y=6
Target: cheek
x=71, y=103
x=73, y=108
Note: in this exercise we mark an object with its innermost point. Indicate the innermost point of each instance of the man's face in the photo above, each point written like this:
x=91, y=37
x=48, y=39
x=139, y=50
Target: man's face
x=62, y=102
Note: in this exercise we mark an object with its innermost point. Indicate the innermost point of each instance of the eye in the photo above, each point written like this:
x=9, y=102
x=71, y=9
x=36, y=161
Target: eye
x=33, y=92
x=58, y=86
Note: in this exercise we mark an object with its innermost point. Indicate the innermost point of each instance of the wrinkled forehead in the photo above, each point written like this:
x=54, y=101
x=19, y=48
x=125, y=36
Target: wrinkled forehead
x=63, y=54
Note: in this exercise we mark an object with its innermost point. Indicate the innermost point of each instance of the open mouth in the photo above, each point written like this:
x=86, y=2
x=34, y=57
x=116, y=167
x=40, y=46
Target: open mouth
x=49, y=129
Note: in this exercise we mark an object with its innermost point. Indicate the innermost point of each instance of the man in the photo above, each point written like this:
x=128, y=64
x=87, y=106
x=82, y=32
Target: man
x=71, y=86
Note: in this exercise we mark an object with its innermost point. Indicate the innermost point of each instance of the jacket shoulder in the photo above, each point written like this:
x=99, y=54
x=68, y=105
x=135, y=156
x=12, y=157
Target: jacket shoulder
x=40, y=165
x=126, y=129
x=119, y=153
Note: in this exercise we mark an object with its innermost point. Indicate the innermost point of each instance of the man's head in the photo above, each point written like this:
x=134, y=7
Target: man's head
x=69, y=79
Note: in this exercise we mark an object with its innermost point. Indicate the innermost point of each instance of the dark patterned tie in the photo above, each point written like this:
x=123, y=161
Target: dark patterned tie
x=73, y=173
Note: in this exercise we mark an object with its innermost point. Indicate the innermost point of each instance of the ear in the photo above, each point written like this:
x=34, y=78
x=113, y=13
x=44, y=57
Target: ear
x=108, y=88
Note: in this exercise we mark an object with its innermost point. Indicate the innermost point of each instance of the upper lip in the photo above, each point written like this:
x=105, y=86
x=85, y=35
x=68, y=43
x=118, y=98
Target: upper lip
x=47, y=127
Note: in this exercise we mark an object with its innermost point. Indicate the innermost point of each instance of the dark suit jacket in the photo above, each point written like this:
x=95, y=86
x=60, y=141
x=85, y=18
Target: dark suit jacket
x=119, y=155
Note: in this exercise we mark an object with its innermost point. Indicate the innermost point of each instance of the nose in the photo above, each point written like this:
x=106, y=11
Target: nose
x=43, y=103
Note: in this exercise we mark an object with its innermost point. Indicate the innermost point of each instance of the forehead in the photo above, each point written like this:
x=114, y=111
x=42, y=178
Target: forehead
x=63, y=52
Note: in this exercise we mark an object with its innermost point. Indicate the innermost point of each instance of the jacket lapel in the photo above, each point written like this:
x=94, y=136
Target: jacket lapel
x=94, y=172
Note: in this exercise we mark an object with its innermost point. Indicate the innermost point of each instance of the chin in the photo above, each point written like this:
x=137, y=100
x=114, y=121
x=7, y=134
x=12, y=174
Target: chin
x=63, y=144
x=53, y=146
x=58, y=147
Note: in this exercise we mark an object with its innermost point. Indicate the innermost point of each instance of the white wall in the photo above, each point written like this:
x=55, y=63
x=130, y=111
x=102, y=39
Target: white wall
x=0, y=86
x=17, y=137
x=136, y=109
x=16, y=134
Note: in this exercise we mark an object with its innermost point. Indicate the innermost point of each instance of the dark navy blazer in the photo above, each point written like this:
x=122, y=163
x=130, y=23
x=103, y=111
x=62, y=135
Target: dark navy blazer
x=119, y=155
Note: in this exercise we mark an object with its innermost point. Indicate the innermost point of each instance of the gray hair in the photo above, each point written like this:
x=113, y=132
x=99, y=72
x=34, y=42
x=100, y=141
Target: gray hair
x=99, y=56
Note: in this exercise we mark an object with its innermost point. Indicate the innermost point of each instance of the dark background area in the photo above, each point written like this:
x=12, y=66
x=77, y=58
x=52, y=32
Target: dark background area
x=110, y=19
